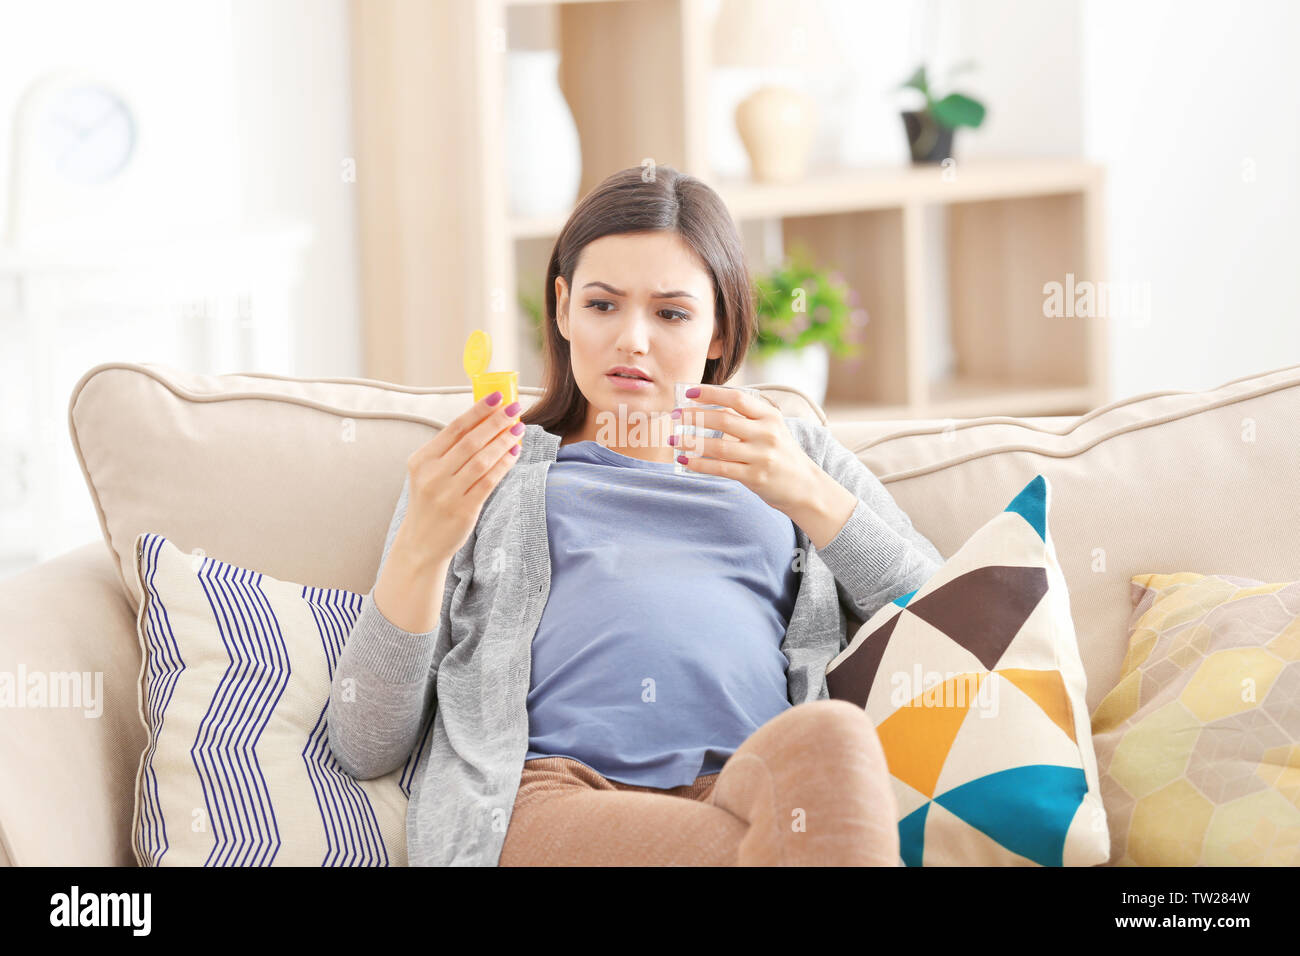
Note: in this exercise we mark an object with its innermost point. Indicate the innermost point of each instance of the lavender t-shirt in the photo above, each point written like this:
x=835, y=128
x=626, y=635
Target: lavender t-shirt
x=659, y=649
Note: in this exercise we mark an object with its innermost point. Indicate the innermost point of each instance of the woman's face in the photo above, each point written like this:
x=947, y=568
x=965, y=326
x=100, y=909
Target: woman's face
x=642, y=300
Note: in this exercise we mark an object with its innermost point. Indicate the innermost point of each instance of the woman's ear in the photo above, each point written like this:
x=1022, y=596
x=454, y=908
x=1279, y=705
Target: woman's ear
x=562, y=306
x=716, y=346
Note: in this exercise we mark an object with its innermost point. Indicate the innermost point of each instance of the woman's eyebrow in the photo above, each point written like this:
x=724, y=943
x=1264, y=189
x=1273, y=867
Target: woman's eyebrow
x=674, y=294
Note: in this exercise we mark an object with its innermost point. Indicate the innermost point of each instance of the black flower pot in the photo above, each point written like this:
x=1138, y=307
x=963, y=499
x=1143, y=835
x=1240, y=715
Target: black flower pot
x=929, y=141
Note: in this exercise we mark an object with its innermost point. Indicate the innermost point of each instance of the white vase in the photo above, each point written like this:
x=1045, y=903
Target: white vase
x=807, y=370
x=543, y=156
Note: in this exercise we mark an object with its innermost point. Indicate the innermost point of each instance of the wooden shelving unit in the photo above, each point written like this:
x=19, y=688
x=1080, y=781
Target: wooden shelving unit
x=441, y=255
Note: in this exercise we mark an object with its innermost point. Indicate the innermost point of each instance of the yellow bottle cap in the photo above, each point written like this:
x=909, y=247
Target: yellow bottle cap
x=478, y=353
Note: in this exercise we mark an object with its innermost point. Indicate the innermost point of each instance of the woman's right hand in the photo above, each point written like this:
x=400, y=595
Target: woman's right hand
x=452, y=475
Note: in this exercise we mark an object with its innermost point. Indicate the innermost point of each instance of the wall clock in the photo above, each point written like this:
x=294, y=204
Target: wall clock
x=75, y=137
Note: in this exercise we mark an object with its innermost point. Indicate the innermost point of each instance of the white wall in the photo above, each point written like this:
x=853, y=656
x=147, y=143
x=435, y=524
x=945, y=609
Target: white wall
x=1028, y=54
x=172, y=62
x=244, y=109
x=1194, y=107
x=1191, y=105
x=294, y=124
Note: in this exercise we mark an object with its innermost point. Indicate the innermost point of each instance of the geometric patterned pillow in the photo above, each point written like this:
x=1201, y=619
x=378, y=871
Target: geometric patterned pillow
x=978, y=694
x=234, y=687
x=1199, y=742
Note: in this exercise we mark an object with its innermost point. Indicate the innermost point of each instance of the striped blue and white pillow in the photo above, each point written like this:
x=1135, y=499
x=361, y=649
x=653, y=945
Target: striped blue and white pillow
x=234, y=683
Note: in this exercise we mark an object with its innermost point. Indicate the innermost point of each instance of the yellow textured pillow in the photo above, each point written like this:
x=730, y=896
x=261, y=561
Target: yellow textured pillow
x=1198, y=743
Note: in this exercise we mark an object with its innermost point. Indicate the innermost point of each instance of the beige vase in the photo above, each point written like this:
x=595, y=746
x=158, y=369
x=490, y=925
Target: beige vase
x=777, y=126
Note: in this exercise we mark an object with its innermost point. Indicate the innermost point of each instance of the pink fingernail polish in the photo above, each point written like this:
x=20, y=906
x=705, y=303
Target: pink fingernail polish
x=677, y=413
x=514, y=450
x=693, y=392
x=517, y=428
x=682, y=459
x=672, y=439
x=493, y=398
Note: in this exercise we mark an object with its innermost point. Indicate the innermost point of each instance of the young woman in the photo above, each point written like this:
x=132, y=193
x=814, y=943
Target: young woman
x=592, y=659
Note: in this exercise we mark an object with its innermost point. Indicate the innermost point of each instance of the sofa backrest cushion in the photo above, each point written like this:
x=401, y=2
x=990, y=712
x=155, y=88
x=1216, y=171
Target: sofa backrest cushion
x=1167, y=481
x=294, y=477
x=298, y=477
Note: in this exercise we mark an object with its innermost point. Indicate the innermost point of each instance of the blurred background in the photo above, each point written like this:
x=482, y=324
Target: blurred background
x=952, y=209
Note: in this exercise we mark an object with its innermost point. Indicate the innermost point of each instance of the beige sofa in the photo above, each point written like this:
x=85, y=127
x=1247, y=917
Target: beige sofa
x=297, y=478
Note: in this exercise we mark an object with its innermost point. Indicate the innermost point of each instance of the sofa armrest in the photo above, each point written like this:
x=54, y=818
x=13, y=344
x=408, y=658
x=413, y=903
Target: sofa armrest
x=68, y=763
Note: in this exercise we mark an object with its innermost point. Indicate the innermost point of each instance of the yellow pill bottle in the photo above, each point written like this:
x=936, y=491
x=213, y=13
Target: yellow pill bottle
x=478, y=353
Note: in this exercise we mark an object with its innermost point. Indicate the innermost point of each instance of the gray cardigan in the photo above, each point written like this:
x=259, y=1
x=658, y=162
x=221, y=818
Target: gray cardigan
x=449, y=707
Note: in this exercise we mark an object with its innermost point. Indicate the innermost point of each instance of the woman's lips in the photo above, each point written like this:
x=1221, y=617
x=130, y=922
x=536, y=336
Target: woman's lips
x=631, y=384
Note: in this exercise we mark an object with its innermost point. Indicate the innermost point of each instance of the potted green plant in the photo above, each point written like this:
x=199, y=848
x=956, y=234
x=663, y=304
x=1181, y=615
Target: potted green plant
x=930, y=130
x=805, y=314
x=532, y=305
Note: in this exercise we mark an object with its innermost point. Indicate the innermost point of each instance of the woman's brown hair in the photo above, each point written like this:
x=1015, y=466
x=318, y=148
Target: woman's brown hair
x=647, y=199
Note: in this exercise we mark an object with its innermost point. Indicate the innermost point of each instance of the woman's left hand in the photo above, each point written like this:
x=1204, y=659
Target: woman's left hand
x=760, y=453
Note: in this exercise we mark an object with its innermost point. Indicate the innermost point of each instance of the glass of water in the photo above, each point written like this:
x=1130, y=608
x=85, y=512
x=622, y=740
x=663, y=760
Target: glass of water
x=679, y=396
